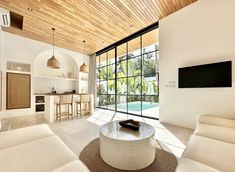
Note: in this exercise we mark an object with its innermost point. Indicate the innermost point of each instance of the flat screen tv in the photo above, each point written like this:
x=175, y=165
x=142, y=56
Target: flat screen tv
x=207, y=75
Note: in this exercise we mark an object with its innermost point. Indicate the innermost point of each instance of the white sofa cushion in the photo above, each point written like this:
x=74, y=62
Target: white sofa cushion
x=188, y=165
x=217, y=154
x=42, y=155
x=14, y=137
x=74, y=166
x=216, y=132
x=212, y=120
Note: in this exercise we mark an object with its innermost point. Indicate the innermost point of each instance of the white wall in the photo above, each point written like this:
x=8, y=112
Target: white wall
x=20, y=49
x=0, y=70
x=203, y=32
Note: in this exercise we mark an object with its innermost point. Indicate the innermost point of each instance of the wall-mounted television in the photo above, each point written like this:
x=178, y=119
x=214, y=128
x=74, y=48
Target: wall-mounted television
x=207, y=75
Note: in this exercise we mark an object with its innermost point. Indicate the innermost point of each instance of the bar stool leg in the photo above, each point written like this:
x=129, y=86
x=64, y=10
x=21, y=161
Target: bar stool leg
x=56, y=112
x=72, y=111
x=80, y=109
x=89, y=106
x=76, y=109
x=60, y=113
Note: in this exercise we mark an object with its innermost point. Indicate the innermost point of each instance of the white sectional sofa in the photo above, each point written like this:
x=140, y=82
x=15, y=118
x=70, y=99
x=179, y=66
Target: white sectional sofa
x=36, y=149
x=211, y=148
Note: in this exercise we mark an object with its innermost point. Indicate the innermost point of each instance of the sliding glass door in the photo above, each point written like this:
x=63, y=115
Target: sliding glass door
x=127, y=76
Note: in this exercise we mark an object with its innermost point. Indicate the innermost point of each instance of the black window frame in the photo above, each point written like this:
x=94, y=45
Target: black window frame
x=114, y=48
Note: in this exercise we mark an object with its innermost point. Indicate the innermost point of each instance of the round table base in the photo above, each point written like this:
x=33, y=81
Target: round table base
x=127, y=155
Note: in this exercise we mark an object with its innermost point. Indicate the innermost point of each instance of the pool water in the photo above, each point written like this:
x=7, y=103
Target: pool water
x=136, y=106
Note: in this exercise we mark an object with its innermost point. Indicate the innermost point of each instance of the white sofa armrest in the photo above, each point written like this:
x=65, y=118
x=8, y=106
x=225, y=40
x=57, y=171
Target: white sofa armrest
x=210, y=152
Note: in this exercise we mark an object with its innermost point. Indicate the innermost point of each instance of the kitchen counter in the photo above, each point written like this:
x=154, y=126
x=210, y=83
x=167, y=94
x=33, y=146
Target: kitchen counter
x=58, y=94
x=52, y=98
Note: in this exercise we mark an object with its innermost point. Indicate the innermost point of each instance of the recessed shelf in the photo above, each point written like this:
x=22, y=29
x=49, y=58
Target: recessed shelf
x=18, y=67
x=16, y=71
x=57, y=78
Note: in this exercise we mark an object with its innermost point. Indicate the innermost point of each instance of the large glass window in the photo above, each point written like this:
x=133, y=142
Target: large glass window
x=106, y=79
x=128, y=76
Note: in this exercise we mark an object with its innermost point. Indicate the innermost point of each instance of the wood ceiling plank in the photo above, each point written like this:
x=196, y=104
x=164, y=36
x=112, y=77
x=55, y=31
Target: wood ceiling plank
x=146, y=11
x=156, y=6
x=99, y=22
x=135, y=13
x=153, y=8
x=170, y=6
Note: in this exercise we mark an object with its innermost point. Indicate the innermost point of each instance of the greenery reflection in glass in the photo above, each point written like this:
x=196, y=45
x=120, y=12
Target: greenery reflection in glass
x=129, y=83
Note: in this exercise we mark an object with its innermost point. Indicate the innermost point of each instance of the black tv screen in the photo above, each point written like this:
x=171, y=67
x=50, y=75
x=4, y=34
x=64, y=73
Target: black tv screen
x=208, y=75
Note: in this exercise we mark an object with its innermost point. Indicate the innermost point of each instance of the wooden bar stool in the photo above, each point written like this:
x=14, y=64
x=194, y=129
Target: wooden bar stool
x=65, y=100
x=84, y=99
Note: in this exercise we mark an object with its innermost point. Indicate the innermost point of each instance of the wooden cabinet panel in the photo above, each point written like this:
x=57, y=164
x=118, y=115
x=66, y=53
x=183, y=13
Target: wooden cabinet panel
x=18, y=91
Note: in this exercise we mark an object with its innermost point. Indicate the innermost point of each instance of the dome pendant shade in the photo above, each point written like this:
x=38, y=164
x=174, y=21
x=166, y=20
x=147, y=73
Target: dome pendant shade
x=53, y=63
x=84, y=68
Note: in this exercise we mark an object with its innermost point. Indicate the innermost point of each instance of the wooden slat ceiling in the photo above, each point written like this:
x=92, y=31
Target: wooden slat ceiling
x=99, y=22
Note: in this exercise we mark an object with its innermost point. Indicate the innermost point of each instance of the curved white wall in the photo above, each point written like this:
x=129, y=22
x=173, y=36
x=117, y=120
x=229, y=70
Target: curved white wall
x=67, y=64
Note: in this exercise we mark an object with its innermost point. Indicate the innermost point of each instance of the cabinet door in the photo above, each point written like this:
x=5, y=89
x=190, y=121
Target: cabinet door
x=18, y=91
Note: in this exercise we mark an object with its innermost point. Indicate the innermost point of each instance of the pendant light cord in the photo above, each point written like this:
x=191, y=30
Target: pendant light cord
x=53, y=29
x=84, y=51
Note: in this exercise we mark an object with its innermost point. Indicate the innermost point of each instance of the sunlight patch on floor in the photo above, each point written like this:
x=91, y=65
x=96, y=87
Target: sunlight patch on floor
x=171, y=138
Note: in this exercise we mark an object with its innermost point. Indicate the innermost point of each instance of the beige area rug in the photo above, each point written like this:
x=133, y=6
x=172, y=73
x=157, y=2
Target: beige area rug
x=90, y=155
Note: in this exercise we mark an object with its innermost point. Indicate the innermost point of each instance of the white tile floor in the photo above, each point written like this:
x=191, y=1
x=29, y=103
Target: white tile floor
x=77, y=133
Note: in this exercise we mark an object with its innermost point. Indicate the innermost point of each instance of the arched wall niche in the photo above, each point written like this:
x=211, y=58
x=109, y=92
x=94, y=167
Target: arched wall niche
x=67, y=65
x=47, y=78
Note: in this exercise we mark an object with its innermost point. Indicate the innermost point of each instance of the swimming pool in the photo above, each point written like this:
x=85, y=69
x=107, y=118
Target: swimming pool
x=135, y=106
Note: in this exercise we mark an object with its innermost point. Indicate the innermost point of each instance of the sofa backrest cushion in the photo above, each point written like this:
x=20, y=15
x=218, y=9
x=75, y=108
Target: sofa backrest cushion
x=218, y=121
x=216, y=132
x=23, y=135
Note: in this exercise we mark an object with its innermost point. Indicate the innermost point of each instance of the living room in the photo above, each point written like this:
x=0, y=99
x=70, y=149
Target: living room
x=117, y=86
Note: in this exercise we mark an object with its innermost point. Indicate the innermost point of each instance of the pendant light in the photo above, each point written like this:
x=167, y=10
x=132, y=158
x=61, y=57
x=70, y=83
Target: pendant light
x=53, y=62
x=84, y=67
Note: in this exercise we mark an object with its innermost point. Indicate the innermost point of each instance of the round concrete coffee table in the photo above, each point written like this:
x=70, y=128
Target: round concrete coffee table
x=126, y=149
